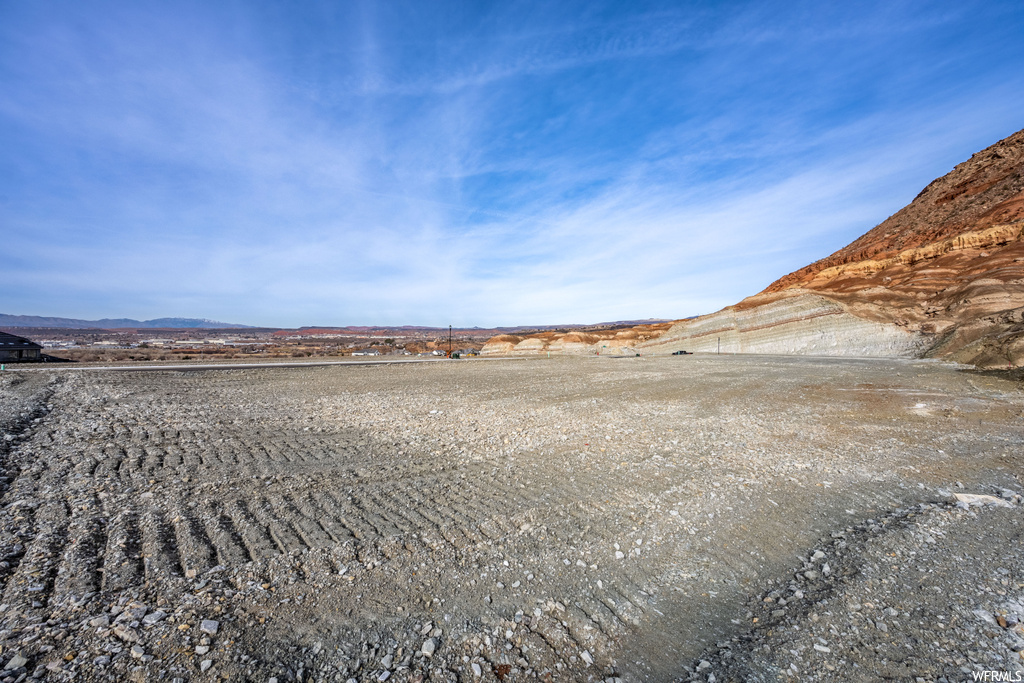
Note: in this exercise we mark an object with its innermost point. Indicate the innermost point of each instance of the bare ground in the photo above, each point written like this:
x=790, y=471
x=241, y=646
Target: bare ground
x=552, y=519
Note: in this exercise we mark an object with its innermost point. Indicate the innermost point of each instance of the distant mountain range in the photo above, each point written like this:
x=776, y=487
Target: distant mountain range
x=111, y=323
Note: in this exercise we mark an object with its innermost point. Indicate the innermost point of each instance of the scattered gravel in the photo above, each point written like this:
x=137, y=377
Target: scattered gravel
x=571, y=519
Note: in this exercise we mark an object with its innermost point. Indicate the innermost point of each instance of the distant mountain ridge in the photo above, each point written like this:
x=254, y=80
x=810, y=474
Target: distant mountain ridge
x=7, y=320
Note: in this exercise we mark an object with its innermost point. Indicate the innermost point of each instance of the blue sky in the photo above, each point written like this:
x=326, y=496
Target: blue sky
x=470, y=163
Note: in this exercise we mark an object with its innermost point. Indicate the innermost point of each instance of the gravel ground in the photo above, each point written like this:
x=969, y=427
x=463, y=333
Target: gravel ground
x=570, y=519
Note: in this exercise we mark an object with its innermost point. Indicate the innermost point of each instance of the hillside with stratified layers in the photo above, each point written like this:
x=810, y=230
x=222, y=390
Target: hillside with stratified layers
x=949, y=266
x=943, y=277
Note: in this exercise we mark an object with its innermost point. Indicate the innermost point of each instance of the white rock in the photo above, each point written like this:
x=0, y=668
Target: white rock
x=16, y=662
x=585, y=656
x=428, y=647
x=154, y=617
x=205, y=664
x=979, y=500
x=209, y=626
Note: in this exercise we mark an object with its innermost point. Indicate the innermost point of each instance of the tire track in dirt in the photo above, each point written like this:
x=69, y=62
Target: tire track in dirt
x=155, y=484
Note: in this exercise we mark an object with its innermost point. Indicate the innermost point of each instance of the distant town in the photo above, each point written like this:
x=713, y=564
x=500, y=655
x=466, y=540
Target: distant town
x=98, y=345
x=196, y=339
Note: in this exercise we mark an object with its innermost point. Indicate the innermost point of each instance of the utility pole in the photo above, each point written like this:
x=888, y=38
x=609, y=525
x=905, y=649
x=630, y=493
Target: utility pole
x=719, y=346
x=449, y=341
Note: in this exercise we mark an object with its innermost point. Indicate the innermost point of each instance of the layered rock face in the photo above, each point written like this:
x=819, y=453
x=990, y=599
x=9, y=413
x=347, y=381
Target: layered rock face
x=943, y=277
x=948, y=267
x=804, y=324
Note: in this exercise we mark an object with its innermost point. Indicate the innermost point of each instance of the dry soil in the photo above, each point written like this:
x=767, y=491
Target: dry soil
x=565, y=519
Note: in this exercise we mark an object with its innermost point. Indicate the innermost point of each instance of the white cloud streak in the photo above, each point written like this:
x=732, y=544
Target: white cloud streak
x=221, y=180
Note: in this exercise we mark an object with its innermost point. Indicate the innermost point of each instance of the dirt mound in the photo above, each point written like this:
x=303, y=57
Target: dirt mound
x=506, y=338
x=576, y=342
x=581, y=338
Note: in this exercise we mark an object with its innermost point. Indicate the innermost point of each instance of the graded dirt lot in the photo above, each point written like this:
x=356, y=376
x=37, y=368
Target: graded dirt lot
x=565, y=519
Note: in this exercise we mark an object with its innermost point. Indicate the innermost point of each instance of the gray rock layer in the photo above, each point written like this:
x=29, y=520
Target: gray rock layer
x=806, y=325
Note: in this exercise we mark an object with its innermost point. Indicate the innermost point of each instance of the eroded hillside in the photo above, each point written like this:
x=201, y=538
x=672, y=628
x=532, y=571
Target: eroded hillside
x=943, y=277
x=949, y=265
x=614, y=341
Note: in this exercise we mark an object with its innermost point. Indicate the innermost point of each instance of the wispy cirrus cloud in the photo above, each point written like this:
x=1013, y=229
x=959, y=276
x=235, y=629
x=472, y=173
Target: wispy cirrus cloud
x=520, y=163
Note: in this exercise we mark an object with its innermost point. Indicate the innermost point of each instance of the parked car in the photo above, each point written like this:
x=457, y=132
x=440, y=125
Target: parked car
x=682, y=353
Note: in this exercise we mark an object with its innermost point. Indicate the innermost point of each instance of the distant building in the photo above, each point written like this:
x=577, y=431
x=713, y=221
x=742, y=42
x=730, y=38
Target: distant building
x=14, y=349
x=366, y=352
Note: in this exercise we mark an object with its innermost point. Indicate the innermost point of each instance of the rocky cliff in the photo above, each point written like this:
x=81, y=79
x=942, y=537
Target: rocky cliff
x=943, y=277
x=948, y=267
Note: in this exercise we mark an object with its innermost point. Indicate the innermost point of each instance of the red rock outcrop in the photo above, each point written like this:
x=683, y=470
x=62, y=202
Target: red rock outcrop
x=986, y=190
x=943, y=277
x=950, y=264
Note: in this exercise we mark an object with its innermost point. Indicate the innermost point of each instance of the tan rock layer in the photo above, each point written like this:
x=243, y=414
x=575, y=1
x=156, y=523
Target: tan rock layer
x=978, y=239
x=985, y=190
